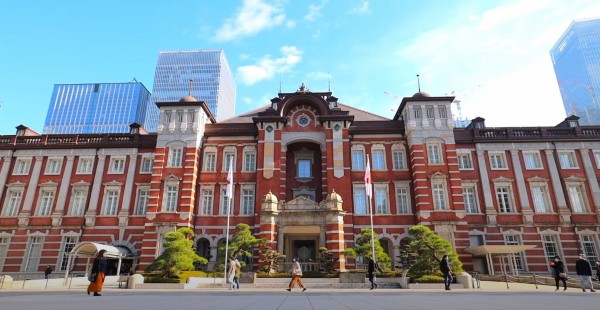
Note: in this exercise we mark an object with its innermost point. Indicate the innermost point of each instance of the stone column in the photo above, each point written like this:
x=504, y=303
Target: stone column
x=127, y=192
x=523, y=197
x=62, y=192
x=90, y=215
x=563, y=210
x=591, y=177
x=4, y=171
x=322, y=236
x=487, y=191
x=31, y=189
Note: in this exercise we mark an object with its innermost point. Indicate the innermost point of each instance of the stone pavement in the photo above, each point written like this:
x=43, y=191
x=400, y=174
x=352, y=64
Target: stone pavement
x=491, y=295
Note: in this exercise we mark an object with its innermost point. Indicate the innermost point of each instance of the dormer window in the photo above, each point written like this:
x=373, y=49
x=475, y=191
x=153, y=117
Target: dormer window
x=573, y=124
x=429, y=111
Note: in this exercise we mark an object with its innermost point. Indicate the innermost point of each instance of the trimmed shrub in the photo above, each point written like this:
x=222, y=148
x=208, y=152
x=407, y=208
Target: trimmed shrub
x=430, y=278
x=151, y=279
x=183, y=277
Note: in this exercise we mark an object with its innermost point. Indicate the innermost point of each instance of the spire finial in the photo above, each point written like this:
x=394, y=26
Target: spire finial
x=329, y=81
x=419, y=83
x=190, y=93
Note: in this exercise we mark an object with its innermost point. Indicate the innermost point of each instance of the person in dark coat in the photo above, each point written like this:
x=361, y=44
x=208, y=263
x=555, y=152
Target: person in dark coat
x=584, y=271
x=445, y=269
x=371, y=270
x=559, y=273
x=99, y=269
x=47, y=272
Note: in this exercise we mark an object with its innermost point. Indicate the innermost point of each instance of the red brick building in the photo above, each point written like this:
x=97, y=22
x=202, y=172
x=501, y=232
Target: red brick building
x=299, y=166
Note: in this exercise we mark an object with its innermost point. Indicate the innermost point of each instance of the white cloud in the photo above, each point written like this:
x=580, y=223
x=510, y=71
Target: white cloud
x=267, y=67
x=253, y=17
x=363, y=8
x=314, y=12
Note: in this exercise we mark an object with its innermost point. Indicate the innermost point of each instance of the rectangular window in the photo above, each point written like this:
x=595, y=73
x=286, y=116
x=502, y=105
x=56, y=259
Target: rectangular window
x=175, y=157
x=577, y=198
x=378, y=160
x=147, y=165
x=179, y=116
x=515, y=240
x=597, y=157
x=225, y=203
x=470, y=199
x=45, y=204
x=69, y=243
x=304, y=168
x=439, y=196
x=358, y=160
x=4, y=242
x=250, y=161
x=567, y=160
x=78, y=202
x=247, y=201
x=417, y=112
x=117, y=165
x=464, y=162
x=141, y=205
x=588, y=244
x=13, y=202
x=503, y=197
x=443, y=114
x=381, y=201
x=211, y=162
x=53, y=165
x=229, y=157
x=533, y=160
x=402, y=200
x=550, y=247
x=434, y=154
x=34, y=252
x=429, y=112
x=398, y=160
x=360, y=201
x=207, y=202
x=111, y=202
x=84, y=166
x=540, y=199
x=497, y=161
x=22, y=166
x=171, y=198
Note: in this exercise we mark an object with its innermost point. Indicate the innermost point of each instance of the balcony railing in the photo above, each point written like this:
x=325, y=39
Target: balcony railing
x=529, y=133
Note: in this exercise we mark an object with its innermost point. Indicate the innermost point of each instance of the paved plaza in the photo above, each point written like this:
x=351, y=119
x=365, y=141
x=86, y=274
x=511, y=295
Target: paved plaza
x=490, y=296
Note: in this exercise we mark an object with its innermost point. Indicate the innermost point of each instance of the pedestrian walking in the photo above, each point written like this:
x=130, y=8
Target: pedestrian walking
x=584, y=271
x=372, y=272
x=559, y=273
x=99, y=268
x=597, y=269
x=238, y=272
x=296, y=276
x=231, y=273
x=445, y=269
x=47, y=272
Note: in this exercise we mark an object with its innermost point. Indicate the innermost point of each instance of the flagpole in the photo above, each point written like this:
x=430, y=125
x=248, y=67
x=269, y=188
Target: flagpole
x=229, y=199
x=369, y=191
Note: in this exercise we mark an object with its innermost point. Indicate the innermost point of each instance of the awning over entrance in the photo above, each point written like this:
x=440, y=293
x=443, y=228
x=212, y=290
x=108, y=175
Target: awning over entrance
x=90, y=250
x=503, y=252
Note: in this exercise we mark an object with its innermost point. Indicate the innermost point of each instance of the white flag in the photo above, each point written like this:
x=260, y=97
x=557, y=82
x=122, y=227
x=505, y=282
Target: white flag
x=230, y=179
x=368, y=183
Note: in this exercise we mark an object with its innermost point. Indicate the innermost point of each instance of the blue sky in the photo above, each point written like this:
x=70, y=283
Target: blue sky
x=493, y=54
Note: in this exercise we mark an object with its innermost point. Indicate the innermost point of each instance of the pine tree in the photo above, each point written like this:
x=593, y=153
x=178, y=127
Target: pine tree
x=269, y=259
x=241, y=244
x=363, y=248
x=178, y=254
x=429, y=248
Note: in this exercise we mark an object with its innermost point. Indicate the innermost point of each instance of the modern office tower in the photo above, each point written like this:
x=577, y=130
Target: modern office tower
x=576, y=60
x=100, y=108
x=210, y=75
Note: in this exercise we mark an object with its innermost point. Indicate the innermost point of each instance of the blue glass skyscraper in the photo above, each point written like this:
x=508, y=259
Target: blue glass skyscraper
x=100, y=108
x=576, y=60
x=210, y=75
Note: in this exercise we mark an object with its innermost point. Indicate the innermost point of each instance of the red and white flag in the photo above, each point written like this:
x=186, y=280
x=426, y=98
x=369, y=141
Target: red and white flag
x=230, y=179
x=368, y=181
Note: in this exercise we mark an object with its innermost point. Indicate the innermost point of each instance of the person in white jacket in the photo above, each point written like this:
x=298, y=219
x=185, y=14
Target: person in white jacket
x=296, y=276
x=232, y=266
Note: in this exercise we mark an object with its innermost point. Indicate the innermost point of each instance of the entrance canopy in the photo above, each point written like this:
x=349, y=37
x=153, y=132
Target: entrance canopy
x=503, y=252
x=90, y=250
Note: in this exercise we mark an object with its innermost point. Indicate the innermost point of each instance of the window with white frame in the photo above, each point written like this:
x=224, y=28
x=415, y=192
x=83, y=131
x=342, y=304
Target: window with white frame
x=117, y=165
x=22, y=166
x=33, y=253
x=567, y=160
x=516, y=240
x=442, y=110
x=551, y=248
x=84, y=165
x=78, y=199
x=111, y=200
x=207, y=201
x=210, y=161
x=170, y=196
x=229, y=157
x=464, y=161
x=438, y=188
x=358, y=157
x=175, y=156
x=497, y=161
x=304, y=168
x=403, y=199
x=504, y=198
x=360, y=200
x=249, y=160
x=225, y=202
x=45, y=201
x=597, y=158
x=378, y=157
x=469, y=192
x=577, y=197
x=541, y=200
x=429, y=112
x=434, y=153
x=247, y=200
x=398, y=159
x=417, y=112
x=147, y=164
x=588, y=245
x=68, y=243
x=53, y=166
x=141, y=203
x=4, y=242
x=382, y=205
x=12, y=201
x=533, y=160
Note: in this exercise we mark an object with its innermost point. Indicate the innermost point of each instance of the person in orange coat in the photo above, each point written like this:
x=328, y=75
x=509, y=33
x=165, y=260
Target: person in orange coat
x=99, y=271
